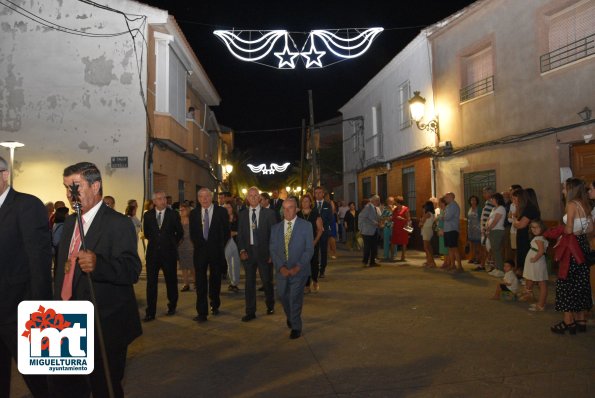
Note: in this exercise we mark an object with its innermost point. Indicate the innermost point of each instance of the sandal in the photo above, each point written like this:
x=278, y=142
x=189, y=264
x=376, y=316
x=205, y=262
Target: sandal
x=536, y=308
x=581, y=325
x=562, y=327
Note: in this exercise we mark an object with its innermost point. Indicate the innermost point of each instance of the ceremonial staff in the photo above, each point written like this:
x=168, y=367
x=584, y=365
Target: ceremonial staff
x=76, y=204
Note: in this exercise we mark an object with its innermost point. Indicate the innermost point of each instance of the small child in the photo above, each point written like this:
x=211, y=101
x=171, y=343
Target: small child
x=536, y=267
x=511, y=282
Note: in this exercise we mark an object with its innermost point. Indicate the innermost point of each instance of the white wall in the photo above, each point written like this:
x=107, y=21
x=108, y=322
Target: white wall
x=411, y=64
x=71, y=98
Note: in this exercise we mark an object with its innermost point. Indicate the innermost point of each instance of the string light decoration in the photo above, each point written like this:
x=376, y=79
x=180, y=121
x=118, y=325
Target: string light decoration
x=262, y=168
x=321, y=48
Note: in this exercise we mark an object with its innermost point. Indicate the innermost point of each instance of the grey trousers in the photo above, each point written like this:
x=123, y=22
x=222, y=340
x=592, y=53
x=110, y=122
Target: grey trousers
x=291, y=294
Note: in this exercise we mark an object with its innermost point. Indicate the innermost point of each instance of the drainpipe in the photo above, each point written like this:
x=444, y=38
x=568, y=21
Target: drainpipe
x=433, y=175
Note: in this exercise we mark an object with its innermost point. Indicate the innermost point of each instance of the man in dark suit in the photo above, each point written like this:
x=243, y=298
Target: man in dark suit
x=25, y=271
x=254, y=231
x=112, y=263
x=326, y=213
x=277, y=202
x=163, y=228
x=292, y=249
x=209, y=231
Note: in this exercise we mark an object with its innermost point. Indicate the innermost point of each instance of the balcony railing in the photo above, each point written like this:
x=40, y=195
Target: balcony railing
x=564, y=55
x=477, y=89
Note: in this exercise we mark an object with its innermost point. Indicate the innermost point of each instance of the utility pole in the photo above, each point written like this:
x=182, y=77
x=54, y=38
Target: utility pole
x=303, y=156
x=313, y=142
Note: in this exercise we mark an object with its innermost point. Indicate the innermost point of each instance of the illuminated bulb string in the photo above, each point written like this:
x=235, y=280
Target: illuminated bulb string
x=321, y=48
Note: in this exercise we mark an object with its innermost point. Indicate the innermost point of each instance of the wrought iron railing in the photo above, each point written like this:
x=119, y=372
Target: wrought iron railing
x=564, y=55
x=478, y=88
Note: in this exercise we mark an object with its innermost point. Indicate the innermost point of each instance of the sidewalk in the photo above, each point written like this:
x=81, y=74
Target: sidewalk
x=393, y=331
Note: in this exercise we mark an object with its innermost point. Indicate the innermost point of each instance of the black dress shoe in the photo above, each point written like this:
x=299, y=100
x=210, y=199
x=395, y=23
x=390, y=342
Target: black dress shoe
x=295, y=334
x=270, y=311
x=215, y=311
x=288, y=324
x=248, y=317
x=374, y=265
x=170, y=312
x=200, y=318
x=261, y=289
x=149, y=318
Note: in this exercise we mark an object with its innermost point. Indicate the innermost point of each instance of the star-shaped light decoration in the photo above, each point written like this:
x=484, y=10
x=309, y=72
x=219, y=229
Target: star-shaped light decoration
x=313, y=57
x=286, y=57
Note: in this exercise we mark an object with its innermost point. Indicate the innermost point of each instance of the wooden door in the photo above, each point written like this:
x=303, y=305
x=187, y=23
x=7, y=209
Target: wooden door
x=583, y=161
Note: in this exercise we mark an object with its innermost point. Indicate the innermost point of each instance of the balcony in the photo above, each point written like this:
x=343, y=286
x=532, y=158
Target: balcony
x=572, y=52
x=192, y=141
x=477, y=89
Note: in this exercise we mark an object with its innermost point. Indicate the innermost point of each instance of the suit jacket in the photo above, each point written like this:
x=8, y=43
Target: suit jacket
x=368, y=220
x=277, y=207
x=26, y=253
x=165, y=239
x=211, y=250
x=112, y=238
x=266, y=220
x=301, y=248
x=326, y=213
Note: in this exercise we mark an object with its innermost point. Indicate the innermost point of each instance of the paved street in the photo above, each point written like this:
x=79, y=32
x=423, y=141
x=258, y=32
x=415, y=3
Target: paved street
x=394, y=331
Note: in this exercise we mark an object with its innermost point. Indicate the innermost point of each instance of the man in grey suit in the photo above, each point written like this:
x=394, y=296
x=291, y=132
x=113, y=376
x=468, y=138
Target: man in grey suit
x=291, y=250
x=368, y=225
x=254, y=231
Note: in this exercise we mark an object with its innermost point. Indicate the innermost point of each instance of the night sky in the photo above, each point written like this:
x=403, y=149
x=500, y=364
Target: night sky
x=255, y=97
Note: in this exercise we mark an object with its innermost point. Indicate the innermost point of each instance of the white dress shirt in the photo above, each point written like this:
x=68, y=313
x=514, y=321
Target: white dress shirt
x=4, y=195
x=285, y=225
x=250, y=220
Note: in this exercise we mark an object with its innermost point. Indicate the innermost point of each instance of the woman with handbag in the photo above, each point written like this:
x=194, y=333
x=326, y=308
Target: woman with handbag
x=401, y=220
x=573, y=292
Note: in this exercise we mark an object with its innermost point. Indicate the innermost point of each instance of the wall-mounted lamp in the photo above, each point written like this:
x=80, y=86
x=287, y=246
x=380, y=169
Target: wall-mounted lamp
x=11, y=145
x=417, y=106
x=585, y=114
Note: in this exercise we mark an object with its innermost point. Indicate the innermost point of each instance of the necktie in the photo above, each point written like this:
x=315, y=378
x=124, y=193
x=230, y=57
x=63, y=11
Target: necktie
x=319, y=205
x=254, y=226
x=71, y=263
x=287, y=238
x=205, y=225
x=159, y=219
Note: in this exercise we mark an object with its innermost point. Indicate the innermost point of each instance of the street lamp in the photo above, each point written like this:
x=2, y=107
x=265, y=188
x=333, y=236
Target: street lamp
x=11, y=145
x=585, y=114
x=228, y=168
x=417, y=106
x=288, y=190
x=244, y=191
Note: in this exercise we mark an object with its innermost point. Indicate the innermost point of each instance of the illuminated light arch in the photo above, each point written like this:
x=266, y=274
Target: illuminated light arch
x=262, y=168
x=266, y=49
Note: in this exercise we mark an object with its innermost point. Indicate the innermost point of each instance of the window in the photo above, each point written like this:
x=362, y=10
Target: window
x=478, y=74
x=571, y=35
x=474, y=184
x=381, y=183
x=377, y=150
x=404, y=113
x=355, y=140
x=366, y=187
x=177, y=88
x=409, y=188
x=170, y=84
x=181, y=191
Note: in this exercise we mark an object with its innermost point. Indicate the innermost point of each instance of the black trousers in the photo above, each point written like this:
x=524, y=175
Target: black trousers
x=323, y=246
x=170, y=272
x=8, y=350
x=266, y=276
x=95, y=383
x=314, y=266
x=370, y=249
x=208, y=287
